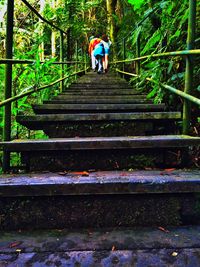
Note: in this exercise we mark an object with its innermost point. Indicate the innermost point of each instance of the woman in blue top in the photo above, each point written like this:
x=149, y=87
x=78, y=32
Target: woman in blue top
x=99, y=53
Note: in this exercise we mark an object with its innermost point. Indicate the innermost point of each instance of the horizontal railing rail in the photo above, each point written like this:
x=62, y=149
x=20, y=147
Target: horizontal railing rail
x=41, y=17
x=166, y=54
x=29, y=61
x=35, y=89
x=189, y=97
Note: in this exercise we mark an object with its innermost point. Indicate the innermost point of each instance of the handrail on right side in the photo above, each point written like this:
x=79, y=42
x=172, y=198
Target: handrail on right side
x=188, y=54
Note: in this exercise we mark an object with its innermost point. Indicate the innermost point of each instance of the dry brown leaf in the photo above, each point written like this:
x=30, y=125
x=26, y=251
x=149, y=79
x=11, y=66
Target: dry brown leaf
x=14, y=244
x=113, y=248
x=163, y=229
x=170, y=170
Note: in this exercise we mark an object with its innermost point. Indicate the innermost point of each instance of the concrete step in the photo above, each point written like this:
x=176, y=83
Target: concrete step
x=101, y=143
x=100, y=199
x=99, y=92
x=109, y=98
x=138, y=247
x=108, y=153
x=100, y=86
x=39, y=121
x=95, y=108
x=97, y=101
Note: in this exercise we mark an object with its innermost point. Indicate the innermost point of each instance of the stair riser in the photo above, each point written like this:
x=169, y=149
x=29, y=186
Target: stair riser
x=90, y=110
x=98, y=211
x=108, y=129
x=104, y=159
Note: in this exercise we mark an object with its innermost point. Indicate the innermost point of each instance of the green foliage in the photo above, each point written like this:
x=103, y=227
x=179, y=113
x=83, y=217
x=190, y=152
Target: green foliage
x=137, y=3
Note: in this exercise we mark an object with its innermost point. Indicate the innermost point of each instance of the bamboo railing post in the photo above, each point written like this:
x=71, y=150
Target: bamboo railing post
x=61, y=60
x=189, y=65
x=137, y=64
x=124, y=54
x=85, y=60
x=76, y=66
x=8, y=82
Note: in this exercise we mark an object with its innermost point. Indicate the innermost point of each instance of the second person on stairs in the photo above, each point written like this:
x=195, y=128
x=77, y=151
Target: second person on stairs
x=99, y=50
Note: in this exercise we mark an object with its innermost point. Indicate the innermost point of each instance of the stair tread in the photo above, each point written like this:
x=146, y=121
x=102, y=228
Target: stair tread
x=140, y=237
x=99, y=117
x=96, y=107
x=93, y=97
x=97, y=101
x=100, y=182
x=99, y=92
x=92, y=143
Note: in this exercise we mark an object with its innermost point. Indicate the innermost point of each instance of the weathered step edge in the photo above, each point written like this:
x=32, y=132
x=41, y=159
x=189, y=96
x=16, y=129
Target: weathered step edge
x=56, y=118
x=98, y=183
x=95, y=108
x=94, y=143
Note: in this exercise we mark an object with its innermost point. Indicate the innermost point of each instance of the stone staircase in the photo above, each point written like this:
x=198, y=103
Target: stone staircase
x=112, y=159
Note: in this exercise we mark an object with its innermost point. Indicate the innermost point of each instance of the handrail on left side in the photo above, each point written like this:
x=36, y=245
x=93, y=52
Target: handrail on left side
x=9, y=61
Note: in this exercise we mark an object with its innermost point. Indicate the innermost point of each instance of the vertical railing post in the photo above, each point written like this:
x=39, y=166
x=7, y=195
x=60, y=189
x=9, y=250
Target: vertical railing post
x=61, y=60
x=124, y=54
x=189, y=65
x=8, y=82
x=76, y=66
x=137, y=64
x=85, y=60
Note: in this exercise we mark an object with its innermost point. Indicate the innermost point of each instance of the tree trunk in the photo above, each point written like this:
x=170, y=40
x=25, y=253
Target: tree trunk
x=53, y=34
x=111, y=6
x=41, y=45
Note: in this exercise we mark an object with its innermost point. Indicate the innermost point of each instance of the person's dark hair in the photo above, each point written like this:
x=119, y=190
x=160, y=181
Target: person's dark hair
x=104, y=38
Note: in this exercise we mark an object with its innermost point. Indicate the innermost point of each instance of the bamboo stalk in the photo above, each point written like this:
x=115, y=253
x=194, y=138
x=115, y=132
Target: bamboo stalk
x=61, y=60
x=189, y=66
x=8, y=83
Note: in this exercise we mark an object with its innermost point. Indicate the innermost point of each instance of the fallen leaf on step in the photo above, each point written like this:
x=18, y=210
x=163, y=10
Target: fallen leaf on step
x=113, y=248
x=163, y=229
x=14, y=244
x=170, y=170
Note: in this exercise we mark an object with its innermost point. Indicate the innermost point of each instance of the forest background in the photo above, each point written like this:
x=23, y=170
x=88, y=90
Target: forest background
x=164, y=28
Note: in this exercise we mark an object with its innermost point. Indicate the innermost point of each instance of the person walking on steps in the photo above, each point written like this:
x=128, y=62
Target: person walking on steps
x=93, y=42
x=106, y=43
x=99, y=53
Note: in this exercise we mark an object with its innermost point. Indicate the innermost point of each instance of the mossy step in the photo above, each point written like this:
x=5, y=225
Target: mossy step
x=81, y=108
x=100, y=182
x=104, y=97
x=37, y=121
x=138, y=247
x=96, y=143
x=97, y=101
x=118, y=199
x=100, y=86
x=100, y=92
